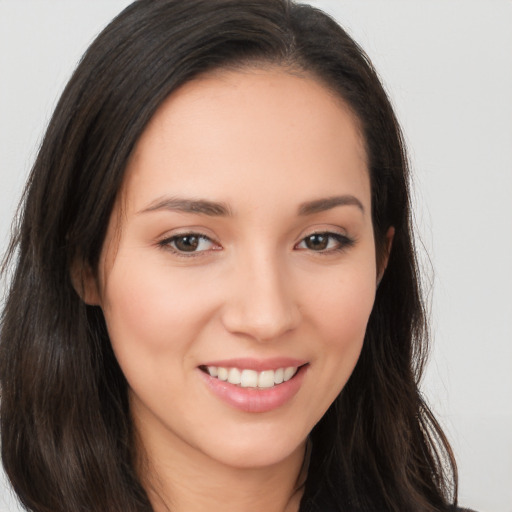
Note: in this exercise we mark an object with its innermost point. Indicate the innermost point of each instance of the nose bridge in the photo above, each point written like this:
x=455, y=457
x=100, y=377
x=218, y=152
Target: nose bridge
x=261, y=304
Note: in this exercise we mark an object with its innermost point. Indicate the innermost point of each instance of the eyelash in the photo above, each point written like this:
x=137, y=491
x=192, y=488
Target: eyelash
x=343, y=242
x=169, y=244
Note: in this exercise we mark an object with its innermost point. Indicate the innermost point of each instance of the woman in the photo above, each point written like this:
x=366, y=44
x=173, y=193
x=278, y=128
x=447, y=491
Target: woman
x=215, y=300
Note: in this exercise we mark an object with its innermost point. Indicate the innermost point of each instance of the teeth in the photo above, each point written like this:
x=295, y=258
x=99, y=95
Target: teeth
x=289, y=373
x=279, y=376
x=266, y=379
x=251, y=378
x=234, y=376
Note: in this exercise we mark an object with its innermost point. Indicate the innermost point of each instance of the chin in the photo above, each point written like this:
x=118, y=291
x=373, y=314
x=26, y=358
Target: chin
x=242, y=454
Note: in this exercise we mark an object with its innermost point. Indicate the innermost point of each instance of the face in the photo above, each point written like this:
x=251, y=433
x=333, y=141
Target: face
x=238, y=272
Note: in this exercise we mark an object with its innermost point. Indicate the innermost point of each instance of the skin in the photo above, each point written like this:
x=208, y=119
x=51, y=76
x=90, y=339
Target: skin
x=262, y=142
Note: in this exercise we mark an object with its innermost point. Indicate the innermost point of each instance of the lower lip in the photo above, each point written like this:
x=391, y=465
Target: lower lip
x=253, y=399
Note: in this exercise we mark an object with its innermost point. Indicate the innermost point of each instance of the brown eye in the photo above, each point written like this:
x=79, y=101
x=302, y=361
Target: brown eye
x=325, y=242
x=317, y=242
x=188, y=243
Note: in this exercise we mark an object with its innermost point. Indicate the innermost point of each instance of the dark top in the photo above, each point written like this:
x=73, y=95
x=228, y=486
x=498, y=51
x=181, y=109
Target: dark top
x=323, y=502
x=330, y=509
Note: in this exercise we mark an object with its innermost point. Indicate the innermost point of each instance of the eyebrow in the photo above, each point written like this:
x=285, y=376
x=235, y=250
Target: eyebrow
x=321, y=205
x=218, y=209
x=200, y=206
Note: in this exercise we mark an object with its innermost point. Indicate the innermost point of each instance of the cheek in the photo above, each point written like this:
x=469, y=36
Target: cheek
x=343, y=326
x=153, y=317
x=152, y=311
x=342, y=306
x=134, y=307
x=340, y=312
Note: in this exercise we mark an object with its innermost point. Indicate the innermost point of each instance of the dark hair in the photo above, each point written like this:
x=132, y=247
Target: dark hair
x=66, y=433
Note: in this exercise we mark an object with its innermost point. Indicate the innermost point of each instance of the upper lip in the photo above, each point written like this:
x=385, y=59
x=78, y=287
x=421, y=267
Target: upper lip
x=258, y=365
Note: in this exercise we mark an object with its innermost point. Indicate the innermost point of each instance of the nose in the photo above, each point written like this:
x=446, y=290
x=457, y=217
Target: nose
x=261, y=303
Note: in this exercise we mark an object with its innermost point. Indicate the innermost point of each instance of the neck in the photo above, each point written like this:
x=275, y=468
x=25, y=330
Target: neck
x=184, y=481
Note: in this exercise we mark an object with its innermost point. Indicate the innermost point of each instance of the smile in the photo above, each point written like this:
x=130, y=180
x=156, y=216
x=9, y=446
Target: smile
x=246, y=378
x=252, y=385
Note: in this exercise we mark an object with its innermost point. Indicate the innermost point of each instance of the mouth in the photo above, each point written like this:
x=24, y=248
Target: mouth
x=248, y=378
x=252, y=385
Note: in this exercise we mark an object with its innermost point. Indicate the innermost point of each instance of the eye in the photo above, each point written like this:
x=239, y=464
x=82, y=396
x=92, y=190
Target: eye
x=188, y=243
x=325, y=242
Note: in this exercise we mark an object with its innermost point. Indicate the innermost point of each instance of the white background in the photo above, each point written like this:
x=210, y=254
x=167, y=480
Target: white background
x=447, y=66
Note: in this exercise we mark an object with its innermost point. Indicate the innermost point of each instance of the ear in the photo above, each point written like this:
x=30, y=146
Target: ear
x=390, y=234
x=85, y=283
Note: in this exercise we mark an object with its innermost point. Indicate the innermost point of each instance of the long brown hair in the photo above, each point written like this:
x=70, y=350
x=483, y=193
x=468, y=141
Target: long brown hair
x=66, y=434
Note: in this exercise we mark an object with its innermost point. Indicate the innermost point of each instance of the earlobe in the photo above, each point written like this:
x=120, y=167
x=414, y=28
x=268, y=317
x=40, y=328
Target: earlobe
x=85, y=283
x=390, y=234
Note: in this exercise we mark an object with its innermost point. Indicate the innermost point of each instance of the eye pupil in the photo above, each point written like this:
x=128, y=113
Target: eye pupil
x=317, y=242
x=188, y=243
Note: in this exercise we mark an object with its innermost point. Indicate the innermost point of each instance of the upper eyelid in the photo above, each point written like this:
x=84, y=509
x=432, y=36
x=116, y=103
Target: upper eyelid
x=174, y=236
x=324, y=231
x=332, y=234
x=186, y=232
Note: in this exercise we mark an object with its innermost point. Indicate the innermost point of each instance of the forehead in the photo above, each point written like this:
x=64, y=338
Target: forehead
x=237, y=133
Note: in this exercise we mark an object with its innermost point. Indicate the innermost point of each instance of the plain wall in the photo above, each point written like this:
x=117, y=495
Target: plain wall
x=447, y=66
